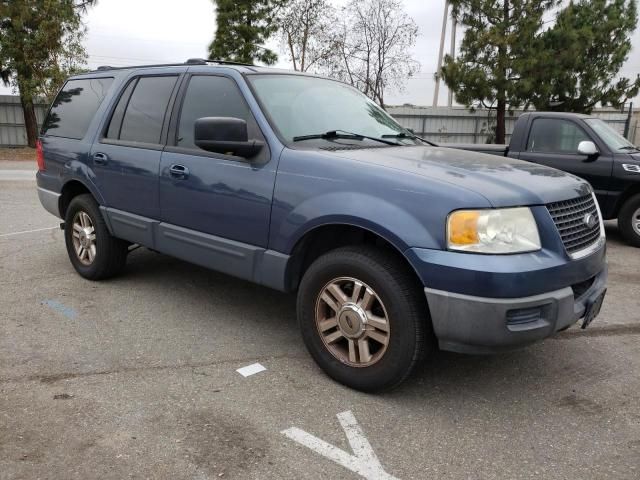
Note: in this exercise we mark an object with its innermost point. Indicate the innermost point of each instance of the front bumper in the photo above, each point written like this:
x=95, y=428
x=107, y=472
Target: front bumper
x=470, y=324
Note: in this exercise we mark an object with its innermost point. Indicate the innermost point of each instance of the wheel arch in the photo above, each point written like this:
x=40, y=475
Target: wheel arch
x=325, y=237
x=71, y=189
x=631, y=191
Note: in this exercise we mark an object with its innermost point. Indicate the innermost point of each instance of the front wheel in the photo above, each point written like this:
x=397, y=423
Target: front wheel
x=363, y=317
x=629, y=221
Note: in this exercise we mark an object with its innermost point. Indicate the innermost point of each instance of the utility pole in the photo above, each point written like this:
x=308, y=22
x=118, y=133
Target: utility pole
x=441, y=53
x=452, y=52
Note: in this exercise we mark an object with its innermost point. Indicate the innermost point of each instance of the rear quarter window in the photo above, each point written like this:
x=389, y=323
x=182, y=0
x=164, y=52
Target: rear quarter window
x=74, y=107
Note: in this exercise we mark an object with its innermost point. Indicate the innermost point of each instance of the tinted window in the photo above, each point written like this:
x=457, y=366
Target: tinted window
x=142, y=121
x=553, y=135
x=209, y=96
x=74, y=107
x=118, y=113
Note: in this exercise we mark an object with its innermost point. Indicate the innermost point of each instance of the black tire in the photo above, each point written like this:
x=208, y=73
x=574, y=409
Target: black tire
x=627, y=218
x=110, y=252
x=406, y=309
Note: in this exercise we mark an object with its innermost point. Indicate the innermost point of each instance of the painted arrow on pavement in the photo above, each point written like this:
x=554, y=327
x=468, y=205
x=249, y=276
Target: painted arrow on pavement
x=364, y=461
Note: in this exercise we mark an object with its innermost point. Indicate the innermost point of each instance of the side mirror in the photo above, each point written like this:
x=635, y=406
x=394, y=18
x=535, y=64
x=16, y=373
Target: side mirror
x=587, y=148
x=225, y=135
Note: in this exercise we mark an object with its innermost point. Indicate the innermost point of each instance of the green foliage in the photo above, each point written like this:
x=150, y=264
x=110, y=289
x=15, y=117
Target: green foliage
x=40, y=43
x=498, y=41
x=243, y=26
x=510, y=57
x=581, y=55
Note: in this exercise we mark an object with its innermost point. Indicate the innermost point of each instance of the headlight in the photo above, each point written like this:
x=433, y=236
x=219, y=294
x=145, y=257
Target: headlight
x=501, y=230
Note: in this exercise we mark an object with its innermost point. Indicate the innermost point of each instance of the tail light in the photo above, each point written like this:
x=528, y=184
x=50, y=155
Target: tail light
x=40, y=156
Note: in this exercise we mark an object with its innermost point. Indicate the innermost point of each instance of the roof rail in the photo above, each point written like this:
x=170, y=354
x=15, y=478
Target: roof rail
x=204, y=61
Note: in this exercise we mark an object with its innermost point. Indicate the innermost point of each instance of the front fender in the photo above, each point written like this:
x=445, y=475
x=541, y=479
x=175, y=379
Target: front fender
x=377, y=215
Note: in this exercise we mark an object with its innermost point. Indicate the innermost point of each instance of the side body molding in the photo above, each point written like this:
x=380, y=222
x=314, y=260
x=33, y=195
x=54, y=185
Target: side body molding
x=248, y=262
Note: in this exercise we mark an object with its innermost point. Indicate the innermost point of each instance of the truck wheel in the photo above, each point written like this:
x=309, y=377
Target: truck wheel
x=629, y=221
x=363, y=317
x=93, y=252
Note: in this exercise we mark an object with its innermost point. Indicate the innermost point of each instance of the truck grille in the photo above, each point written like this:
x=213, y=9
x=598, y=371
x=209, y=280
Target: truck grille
x=570, y=217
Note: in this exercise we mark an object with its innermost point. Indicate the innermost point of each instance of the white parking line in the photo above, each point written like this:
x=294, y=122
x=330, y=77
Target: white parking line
x=17, y=175
x=364, y=460
x=27, y=231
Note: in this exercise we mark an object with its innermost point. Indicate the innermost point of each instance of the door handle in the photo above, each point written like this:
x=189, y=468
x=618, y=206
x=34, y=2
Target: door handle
x=178, y=171
x=100, y=158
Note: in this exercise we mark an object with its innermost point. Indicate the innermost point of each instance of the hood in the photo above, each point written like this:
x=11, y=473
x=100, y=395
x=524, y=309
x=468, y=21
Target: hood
x=503, y=181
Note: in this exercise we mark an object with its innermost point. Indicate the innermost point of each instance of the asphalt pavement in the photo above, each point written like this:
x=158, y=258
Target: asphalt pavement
x=136, y=377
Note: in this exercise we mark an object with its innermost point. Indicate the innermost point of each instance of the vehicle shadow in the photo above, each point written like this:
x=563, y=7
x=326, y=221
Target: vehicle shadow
x=443, y=376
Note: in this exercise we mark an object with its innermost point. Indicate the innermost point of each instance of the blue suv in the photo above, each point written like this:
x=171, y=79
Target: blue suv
x=301, y=183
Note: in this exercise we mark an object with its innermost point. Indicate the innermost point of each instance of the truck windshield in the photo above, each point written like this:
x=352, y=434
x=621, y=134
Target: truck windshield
x=307, y=107
x=613, y=139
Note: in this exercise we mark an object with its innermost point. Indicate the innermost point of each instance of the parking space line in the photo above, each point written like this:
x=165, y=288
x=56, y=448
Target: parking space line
x=364, y=460
x=60, y=308
x=27, y=231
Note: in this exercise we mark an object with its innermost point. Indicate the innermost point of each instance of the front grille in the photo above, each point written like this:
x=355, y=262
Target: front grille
x=569, y=216
x=581, y=288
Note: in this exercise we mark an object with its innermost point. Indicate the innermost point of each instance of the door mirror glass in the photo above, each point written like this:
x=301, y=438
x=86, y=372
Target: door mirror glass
x=226, y=135
x=587, y=148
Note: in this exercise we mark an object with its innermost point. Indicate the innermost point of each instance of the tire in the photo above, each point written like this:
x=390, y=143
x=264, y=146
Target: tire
x=108, y=255
x=629, y=221
x=398, y=296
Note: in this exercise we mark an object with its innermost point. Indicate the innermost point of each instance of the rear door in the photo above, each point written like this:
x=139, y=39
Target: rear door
x=554, y=142
x=126, y=157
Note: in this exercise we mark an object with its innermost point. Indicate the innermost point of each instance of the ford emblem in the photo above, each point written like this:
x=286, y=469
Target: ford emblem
x=590, y=220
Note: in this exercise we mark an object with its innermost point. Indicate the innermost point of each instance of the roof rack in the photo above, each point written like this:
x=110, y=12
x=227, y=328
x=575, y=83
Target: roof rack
x=191, y=61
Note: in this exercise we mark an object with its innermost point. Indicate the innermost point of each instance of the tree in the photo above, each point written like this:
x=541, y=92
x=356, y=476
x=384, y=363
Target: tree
x=306, y=28
x=243, y=27
x=371, y=43
x=498, y=42
x=583, y=53
x=39, y=42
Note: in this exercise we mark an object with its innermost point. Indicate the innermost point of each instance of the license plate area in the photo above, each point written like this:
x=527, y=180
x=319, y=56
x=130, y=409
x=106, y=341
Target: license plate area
x=593, y=309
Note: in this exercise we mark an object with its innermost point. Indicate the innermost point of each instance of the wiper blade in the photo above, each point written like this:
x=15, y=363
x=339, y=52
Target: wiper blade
x=629, y=147
x=410, y=136
x=343, y=134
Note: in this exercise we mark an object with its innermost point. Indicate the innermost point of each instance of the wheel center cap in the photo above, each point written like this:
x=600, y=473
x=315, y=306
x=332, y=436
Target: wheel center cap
x=352, y=320
x=84, y=239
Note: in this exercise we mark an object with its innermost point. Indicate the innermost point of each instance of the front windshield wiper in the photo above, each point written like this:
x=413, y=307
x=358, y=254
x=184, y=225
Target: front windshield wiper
x=411, y=136
x=343, y=134
x=629, y=147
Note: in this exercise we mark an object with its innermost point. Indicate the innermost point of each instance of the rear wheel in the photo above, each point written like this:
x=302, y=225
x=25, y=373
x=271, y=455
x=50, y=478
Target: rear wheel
x=93, y=252
x=629, y=221
x=363, y=317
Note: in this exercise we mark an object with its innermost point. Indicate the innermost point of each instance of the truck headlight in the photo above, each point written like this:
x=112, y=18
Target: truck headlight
x=498, y=231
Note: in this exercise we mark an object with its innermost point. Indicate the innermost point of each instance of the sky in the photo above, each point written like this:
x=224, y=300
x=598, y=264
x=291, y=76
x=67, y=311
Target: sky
x=133, y=32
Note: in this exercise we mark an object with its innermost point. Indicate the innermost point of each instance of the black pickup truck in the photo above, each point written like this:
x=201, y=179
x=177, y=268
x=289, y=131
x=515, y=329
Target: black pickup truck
x=586, y=147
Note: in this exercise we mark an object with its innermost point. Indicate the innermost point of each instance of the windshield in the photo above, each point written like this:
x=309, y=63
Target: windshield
x=301, y=106
x=613, y=139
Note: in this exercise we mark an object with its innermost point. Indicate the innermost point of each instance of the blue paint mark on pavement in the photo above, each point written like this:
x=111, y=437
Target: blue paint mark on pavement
x=60, y=308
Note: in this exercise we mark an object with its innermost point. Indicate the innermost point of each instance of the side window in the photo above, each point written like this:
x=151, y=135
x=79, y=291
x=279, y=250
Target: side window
x=74, y=107
x=551, y=135
x=140, y=112
x=210, y=96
